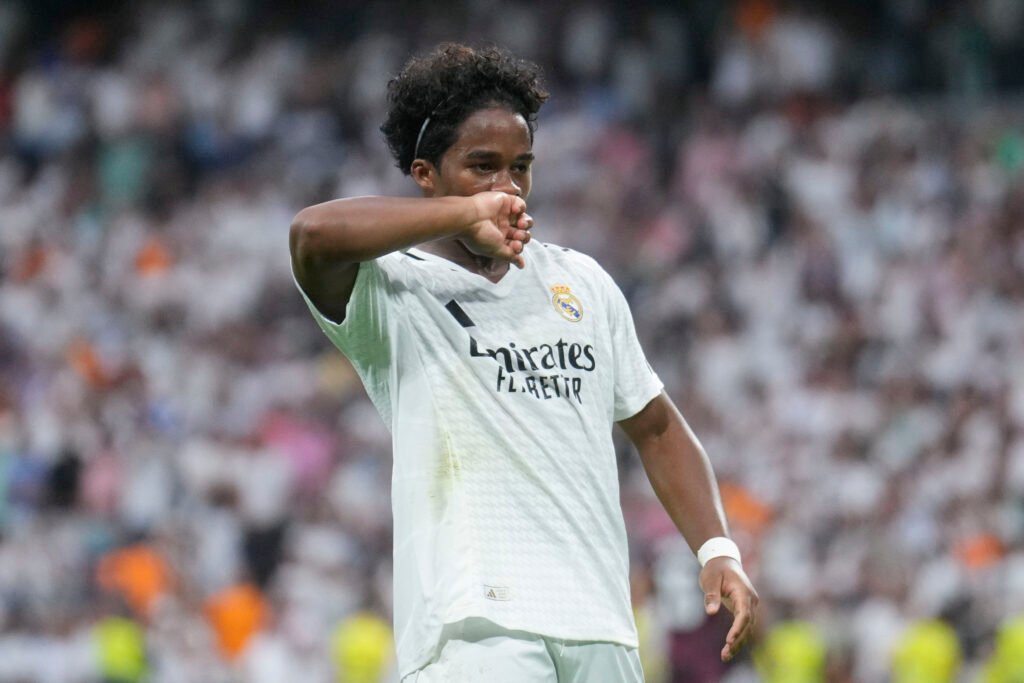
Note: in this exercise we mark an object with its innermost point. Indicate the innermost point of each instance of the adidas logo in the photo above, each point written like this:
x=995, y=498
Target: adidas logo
x=500, y=593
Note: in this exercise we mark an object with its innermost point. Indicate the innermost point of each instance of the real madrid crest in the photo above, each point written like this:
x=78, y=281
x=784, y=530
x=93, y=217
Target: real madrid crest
x=566, y=303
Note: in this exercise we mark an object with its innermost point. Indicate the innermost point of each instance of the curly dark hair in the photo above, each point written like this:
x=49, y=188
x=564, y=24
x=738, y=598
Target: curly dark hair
x=449, y=85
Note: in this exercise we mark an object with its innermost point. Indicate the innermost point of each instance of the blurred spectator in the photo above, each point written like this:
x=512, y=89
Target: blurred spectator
x=928, y=651
x=816, y=212
x=362, y=649
x=137, y=574
x=792, y=652
x=1006, y=663
x=122, y=650
x=236, y=615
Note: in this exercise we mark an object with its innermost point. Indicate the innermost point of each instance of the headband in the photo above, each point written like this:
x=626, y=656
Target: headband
x=419, y=138
x=426, y=122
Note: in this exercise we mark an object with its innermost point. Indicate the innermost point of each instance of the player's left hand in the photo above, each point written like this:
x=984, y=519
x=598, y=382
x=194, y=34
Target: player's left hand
x=724, y=582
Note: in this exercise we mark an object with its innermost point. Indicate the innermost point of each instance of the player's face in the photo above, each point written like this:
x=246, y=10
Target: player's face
x=492, y=152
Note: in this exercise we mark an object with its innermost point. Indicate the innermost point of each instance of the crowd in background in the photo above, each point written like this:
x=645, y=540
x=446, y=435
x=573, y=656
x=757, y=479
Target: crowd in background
x=818, y=220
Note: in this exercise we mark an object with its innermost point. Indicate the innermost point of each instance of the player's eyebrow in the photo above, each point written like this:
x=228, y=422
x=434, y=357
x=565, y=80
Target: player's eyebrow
x=491, y=154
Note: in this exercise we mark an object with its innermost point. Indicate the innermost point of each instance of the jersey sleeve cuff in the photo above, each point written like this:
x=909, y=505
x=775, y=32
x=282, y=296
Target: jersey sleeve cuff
x=633, y=405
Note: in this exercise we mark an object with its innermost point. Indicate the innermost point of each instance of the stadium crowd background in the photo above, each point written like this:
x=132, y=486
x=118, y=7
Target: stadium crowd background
x=818, y=219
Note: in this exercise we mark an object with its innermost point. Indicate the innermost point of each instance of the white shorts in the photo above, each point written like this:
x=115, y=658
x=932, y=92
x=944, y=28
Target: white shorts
x=475, y=650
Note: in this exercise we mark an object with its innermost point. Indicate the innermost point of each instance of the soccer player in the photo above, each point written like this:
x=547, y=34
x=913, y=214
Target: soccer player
x=500, y=365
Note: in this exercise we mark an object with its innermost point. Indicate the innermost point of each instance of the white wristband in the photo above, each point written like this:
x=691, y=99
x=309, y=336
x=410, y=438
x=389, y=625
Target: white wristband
x=720, y=546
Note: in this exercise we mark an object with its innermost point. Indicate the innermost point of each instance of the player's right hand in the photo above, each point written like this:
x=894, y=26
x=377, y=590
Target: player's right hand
x=502, y=227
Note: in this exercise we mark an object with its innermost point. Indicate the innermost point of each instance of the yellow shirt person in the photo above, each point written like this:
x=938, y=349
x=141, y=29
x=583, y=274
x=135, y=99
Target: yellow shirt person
x=792, y=652
x=1006, y=665
x=928, y=652
x=121, y=647
x=362, y=648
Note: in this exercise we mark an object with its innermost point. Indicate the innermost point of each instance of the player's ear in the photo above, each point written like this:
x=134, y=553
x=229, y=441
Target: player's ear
x=424, y=174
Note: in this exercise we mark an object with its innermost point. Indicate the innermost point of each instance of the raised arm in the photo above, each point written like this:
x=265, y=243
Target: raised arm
x=328, y=241
x=684, y=482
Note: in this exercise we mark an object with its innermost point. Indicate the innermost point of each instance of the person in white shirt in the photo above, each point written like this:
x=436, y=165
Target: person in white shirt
x=501, y=386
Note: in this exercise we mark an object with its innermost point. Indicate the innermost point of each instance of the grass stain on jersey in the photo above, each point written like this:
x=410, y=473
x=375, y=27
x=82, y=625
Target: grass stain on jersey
x=447, y=470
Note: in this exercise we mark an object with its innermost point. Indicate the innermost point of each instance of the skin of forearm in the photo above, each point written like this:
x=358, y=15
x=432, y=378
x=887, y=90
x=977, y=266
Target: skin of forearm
x=681, y=475
x=362, y=228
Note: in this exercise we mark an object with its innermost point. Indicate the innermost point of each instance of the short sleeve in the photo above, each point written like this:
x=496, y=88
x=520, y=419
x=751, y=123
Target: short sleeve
x=636, y=383
x=364, y=335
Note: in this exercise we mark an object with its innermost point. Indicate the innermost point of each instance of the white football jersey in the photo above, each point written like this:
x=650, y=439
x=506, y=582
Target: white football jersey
x=501, y=399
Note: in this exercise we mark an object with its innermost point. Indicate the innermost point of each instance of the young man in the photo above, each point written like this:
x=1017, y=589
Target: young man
x=500, y=386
